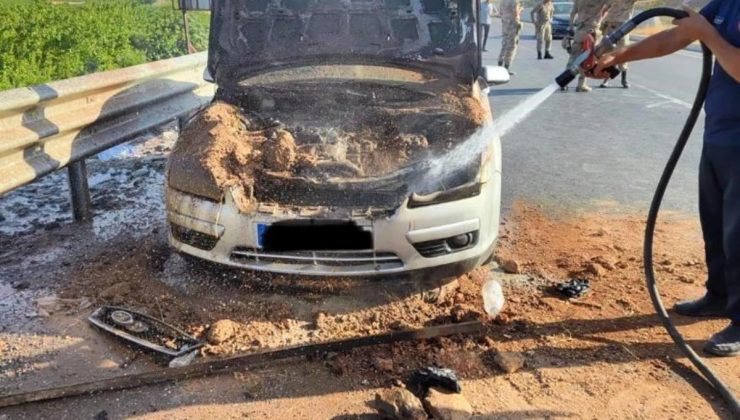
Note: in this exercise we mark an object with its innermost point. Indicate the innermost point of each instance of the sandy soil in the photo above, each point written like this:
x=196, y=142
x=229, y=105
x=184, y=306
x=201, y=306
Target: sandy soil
x=603, y=355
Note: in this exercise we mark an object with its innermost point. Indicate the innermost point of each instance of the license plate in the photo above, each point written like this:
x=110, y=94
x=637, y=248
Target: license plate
x=261, y=229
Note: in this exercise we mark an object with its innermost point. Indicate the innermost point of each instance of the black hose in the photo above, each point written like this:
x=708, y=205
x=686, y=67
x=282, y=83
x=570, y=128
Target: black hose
x=665, y=178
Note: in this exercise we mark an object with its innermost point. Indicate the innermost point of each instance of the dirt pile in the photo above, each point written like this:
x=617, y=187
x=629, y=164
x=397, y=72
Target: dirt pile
x=600, y=247
x=262, y=311
x=612, y=327
x=237, y=149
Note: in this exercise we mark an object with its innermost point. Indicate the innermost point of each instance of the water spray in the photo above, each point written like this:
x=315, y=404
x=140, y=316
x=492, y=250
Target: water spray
x=588, y=61
x=466, y=152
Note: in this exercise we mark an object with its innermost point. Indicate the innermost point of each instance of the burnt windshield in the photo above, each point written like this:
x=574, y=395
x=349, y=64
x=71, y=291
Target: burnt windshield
x=254, y=36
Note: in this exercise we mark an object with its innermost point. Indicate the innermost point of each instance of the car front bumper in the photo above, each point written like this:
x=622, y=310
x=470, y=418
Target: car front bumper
x=409, y=240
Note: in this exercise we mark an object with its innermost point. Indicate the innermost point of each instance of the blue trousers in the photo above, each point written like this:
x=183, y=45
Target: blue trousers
x=719, y=210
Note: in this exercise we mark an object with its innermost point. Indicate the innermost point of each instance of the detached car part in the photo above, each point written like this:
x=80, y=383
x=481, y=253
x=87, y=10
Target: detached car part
x=144, y=331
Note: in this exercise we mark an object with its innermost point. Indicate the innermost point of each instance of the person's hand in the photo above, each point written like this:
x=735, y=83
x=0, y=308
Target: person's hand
x=606, y=61
x=695, y=26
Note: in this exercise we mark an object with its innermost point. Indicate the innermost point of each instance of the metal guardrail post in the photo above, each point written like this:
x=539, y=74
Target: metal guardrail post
x=79, y=191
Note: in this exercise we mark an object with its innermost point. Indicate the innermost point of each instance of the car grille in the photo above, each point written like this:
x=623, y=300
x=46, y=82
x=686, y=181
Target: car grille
x=318, y=261
x=193, y=238
x=433, y=248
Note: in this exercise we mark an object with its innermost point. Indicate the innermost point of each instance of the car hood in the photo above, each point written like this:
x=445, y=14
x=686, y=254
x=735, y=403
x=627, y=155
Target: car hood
x=256, y=36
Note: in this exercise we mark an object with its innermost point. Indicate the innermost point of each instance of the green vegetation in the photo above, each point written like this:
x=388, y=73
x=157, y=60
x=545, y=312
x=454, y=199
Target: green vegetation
x=41, y=41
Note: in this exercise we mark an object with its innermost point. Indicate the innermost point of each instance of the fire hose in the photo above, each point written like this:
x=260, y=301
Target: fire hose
x=585, y=62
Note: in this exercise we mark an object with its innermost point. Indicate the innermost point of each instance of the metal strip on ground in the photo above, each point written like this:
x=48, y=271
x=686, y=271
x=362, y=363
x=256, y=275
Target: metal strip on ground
x=213, y=367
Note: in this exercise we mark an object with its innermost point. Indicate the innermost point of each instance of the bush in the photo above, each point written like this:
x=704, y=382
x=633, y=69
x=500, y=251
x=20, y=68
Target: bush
x=40, y=41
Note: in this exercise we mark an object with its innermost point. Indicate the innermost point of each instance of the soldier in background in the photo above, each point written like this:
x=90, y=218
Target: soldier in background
x=511, y=25
x=486, y=13
x=619, y=12
x=542, y=19
x=585, y=20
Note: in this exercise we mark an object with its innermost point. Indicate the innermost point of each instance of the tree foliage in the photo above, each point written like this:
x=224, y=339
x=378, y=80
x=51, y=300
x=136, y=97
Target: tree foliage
x=41, y=41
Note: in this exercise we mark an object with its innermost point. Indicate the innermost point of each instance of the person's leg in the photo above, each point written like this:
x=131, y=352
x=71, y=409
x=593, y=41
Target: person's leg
x=504, y=41
x=607, y=28
x=577, y=50
x=625, y=41
x=727, y=341
x=516, y=28
x=711, y=216
x=730, y=169
x=540, y=35
x=548, y=40
x=511, y=42
x=486, y=30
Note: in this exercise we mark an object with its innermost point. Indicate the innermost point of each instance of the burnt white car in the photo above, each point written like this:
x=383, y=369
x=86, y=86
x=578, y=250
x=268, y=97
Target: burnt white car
x=345, y=138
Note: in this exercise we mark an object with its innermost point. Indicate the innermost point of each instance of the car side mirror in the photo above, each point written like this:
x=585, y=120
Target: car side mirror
x=496, y=75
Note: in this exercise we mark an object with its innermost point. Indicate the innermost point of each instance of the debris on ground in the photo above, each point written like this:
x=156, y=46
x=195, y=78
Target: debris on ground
x=144, y=331
x=573, y=288
x=431, y=376
x=511, y=266
x=579, y=354
x=221, y=331
x=252, y=383
x=596, y=269
x=400, y=404
x=441, y=404
x=508, y=361
x=383, y=364
x=48, y=305
x=493, y=297
x=183, y=360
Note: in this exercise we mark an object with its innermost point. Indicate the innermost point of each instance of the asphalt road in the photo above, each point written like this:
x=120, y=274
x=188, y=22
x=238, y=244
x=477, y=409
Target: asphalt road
x=600, y=150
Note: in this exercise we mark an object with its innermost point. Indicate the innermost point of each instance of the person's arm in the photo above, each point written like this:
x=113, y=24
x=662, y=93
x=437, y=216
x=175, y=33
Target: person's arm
x=658, y=45
x=519, y=9
x=534, y=10
x=698, y=28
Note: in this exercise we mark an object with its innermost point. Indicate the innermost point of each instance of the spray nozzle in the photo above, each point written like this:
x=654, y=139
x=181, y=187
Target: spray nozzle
x=587, y=60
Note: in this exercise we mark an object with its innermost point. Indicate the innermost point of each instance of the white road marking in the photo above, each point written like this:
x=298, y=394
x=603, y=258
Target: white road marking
x=659, y=104
x=667, y=98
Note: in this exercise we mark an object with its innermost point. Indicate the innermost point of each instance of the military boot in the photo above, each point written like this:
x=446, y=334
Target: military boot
x=511, y=73
x=539, y=55
x=625, y=83
x=500, y=63
x=548, y=56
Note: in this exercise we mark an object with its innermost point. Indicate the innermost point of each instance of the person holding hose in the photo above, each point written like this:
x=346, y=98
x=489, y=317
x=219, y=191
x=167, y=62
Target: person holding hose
x=542, y=17
x=718, y=27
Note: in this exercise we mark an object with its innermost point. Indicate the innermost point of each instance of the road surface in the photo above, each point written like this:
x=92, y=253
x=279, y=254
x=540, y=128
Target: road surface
x=605, y=149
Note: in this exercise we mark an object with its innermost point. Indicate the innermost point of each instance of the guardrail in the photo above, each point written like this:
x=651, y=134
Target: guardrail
x=46, y=127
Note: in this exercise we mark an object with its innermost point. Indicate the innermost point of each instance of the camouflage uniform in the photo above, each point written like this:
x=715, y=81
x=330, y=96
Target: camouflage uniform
x=588, y=16
x=542, y=18
x=510, y=31
x=619, y=12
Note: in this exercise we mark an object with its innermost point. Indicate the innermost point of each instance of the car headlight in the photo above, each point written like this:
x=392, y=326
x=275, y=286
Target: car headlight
x=468, y=190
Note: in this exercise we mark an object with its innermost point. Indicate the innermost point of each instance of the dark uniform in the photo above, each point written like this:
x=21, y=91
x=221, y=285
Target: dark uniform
x=719, y=190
